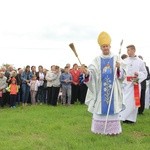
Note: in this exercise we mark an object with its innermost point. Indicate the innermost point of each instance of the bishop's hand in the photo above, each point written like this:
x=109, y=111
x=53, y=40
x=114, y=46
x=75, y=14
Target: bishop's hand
x=117, y=64
x=84, y=70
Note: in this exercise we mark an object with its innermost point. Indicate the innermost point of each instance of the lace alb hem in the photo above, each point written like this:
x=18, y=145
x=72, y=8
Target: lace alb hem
x=113, y=127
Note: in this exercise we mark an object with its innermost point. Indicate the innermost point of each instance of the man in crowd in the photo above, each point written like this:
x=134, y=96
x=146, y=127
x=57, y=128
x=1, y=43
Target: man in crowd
x=143, y=89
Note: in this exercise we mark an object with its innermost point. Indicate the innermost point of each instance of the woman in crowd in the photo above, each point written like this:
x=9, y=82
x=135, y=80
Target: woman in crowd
x=26, y=77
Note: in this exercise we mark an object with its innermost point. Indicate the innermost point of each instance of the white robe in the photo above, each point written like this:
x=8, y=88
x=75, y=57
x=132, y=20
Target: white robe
x=133, y=64
x=94, y=99
x=147, y=95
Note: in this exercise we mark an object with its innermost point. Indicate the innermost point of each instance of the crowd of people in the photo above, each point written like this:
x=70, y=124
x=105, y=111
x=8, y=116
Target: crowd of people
x=31, y=86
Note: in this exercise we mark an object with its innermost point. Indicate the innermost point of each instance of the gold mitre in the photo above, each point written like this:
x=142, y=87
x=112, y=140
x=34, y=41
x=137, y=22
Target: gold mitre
x=104, y=39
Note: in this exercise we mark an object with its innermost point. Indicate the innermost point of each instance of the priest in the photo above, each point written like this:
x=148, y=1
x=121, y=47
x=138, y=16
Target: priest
x=104, y=78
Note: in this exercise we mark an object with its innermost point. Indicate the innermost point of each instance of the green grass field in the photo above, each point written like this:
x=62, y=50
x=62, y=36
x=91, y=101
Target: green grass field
x=45, y=127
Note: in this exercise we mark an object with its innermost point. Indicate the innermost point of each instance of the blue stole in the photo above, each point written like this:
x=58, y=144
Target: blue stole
x=107, y=77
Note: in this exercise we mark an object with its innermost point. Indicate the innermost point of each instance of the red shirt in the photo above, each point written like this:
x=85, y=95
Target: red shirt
x=75, y=76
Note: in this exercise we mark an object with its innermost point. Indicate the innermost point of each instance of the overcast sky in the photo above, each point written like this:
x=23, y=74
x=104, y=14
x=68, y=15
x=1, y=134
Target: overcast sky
x=38, y=32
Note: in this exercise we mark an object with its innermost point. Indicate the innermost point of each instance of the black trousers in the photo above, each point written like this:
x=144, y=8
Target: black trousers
x=40, y=94
x=83, y=90
x=142, y=101
x=74, y=93
x=13, y=98
x=3, y=100
x=49, y=95
x=6, y=98
x=52, y=95
x=55, y=93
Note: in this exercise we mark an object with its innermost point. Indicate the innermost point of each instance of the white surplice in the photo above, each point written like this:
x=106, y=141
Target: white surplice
x=147, y=95
x=133, y=64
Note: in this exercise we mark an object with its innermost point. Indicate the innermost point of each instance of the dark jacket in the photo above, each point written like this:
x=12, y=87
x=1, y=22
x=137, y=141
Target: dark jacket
x=143, y=83
x=18, y=78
